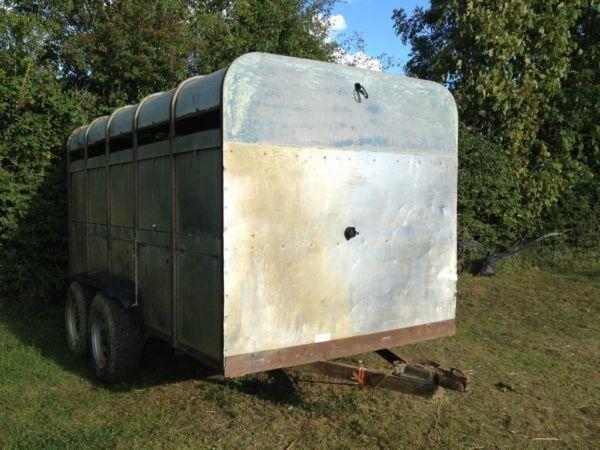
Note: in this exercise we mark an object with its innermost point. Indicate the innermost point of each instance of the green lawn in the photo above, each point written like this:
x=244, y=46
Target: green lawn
x=530, y=336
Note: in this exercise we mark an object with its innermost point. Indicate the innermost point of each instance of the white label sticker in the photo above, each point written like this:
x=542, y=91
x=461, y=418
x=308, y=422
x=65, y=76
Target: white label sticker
x=322, y=337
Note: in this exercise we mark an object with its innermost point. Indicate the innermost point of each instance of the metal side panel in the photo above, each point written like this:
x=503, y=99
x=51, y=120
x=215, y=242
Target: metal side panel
x=78, y=247
x=292, y=277
x=77, y=200
x=97, y=195
x=122, y=202
x=121, y=257
x=154, y=280
x=154, y=192
x=200, y=305
x=98, y=247
x=199, y=216
x=198, y=185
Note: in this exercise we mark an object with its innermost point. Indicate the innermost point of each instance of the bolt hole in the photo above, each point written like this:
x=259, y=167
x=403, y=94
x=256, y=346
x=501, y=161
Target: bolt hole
x=350, y=232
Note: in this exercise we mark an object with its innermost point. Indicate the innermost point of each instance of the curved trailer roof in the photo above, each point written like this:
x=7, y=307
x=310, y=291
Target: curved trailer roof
x=270, y=99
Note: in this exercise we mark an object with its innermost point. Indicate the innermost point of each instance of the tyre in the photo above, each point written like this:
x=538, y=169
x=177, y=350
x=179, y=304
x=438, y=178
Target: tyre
x=76, y=318
x=115, y=340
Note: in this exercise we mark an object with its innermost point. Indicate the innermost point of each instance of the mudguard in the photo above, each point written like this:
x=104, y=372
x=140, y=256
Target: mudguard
x=115, y=287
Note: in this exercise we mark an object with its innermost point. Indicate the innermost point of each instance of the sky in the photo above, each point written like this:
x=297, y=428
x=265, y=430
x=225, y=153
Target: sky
x=372, y=18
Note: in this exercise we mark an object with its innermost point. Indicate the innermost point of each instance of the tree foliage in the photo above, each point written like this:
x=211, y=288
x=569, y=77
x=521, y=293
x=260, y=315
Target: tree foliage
x=225, y=29
x=65, y=61
x=489, y=198
x=524, y=73
x=35, y=114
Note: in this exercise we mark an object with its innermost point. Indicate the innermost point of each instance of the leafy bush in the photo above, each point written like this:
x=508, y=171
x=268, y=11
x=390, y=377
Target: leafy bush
x=524, y=74
x=36, y=114
x=578, y=211
x=489, y=196
x=62, y=63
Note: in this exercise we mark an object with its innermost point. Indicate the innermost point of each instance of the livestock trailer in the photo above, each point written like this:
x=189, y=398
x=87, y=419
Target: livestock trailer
x=275, y=213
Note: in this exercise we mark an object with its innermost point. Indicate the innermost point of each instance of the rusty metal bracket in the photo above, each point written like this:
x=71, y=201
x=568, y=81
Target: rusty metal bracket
x=411, y=380
x=425, y=378
x=451, y=378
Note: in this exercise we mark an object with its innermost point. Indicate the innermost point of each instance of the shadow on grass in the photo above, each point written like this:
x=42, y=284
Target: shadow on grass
x=275, y=386
x=42, y=327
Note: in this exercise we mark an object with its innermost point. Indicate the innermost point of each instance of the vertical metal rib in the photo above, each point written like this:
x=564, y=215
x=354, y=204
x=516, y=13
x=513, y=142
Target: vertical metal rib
x=108, y=204
x=87, y=193
x=172, y=107
x=69, y=218
x=135, y=191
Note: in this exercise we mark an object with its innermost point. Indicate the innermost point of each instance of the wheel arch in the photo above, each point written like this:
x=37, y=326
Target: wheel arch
x=114, y=287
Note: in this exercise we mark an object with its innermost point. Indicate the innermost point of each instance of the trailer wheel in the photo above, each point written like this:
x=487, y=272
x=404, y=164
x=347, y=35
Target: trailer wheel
x=115, y=340
x=76, y=318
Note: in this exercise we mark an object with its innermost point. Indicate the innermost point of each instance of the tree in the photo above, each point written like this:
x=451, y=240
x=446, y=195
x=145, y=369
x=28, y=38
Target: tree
x=226, y=29
x=524, y=72
x=118, y=51
x=65, y=61
x=35, y=115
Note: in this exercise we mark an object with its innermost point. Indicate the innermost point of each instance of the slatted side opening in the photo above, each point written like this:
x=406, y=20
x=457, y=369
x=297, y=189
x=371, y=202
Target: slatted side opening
x=153, y=134
x=207, y=120
x=96, y=149
x=76, y=155
x=120, y=143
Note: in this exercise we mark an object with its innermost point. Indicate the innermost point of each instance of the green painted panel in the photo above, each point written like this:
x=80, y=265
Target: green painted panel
x=154, y=192
x=154, y=278
x=199, y=197
x=121, y=257
x=97, y=193
x=98, y=251
x=200, y=306
x=78, y=252
x=121, y=195
x=78, y=196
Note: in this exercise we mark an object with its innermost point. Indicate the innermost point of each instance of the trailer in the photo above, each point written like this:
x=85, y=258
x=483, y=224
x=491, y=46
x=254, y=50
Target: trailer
x=280, y=212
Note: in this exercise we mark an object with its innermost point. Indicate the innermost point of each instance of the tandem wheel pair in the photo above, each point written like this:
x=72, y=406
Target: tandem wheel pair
x=102, y=328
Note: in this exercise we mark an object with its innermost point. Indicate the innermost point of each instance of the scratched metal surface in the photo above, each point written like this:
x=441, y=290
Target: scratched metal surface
x=200, y=94
x=122, y=121
x=77, y=138
x=97, y=130
x=303, y=159
x=271, y=99
x=155, y=109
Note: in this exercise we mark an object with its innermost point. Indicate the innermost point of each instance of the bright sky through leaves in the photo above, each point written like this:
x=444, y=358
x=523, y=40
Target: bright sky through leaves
x=372, y=18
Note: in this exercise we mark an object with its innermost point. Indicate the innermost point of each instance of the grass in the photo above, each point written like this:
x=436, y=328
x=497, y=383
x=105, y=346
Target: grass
x=531, y=336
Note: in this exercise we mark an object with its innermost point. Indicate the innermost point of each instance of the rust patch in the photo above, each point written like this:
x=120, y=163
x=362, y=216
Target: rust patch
x=304, y=354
